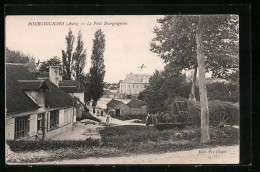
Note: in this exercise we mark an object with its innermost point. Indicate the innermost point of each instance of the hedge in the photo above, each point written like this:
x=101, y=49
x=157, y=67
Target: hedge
x=36, y=145
x=217, y=109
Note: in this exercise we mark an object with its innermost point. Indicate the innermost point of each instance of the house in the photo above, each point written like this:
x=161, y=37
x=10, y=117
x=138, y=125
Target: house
x=117, y=107
x=35, y=107
x=133, y=84
x=72, y=87
x=136, y=107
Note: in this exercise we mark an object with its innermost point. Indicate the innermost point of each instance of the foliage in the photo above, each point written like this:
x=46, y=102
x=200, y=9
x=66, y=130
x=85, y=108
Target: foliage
x=12, y=56
x=67, y=55
x=223, y=91
x=217, y=109
x=175, y=42
x=162, y=86
x=95, y=79
x=121, y=141
x=55, y=61
x=140, y=139
x=23, y=145
x=79, y=57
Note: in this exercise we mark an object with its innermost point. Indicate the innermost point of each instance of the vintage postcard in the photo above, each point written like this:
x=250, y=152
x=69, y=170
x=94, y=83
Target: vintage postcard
x=122, y=89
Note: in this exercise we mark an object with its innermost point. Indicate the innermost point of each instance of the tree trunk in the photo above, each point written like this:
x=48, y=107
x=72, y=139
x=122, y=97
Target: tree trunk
x=193, y=86
x=205, y=137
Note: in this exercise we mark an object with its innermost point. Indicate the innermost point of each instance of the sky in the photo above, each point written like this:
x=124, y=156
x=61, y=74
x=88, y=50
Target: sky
x=127, y=45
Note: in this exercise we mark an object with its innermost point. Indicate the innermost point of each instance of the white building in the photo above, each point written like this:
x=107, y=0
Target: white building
x=133, y=84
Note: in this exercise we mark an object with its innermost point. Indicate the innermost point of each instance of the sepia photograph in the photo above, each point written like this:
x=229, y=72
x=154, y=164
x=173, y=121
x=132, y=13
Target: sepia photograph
x=122, y=89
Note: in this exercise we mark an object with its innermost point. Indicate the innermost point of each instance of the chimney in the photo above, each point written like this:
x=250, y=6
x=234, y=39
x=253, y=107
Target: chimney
x=54, y=75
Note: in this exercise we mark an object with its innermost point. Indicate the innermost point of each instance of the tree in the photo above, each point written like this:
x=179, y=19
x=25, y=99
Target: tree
x=31, y=65
x=205, y=136
x=67, y=56
x=79, y=57
x=95, y=85
x=55, y=61
x=164, y=85
x=175, y=42
x=12, y=56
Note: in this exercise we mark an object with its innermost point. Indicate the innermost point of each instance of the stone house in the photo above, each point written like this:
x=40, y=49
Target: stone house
x=35, y=108
x=117, y=107
x=133, y=84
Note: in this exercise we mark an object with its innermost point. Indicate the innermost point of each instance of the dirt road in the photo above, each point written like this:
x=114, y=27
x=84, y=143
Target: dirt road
x=216, y=155
x=114, y=121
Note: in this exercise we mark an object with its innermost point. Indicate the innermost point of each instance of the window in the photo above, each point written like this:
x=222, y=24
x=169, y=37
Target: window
x=21, y=127
x=54, y=118
x=39, y=121
x=133, y=86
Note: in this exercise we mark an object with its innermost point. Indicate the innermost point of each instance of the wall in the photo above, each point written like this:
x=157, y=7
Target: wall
x=54, y=75
x=124, y=109
x=66, y=120
x=9, y=128
x=33, y=125
x=65, y=123
x=61, y=118
x=37, y=96
x=132, y=88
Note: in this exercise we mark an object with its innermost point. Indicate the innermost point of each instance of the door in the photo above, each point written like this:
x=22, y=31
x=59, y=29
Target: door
x=117, y=112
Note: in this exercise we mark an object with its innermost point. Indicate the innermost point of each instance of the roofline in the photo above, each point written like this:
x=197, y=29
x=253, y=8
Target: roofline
x=22, y=64
x=36, y=80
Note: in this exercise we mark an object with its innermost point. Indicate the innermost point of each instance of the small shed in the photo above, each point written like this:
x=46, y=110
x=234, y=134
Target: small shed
x=118, y=107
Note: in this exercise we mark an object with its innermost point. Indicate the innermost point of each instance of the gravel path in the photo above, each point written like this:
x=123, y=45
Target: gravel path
x=216, y=155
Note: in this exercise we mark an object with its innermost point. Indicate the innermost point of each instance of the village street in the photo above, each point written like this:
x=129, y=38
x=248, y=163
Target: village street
x=102, y=104
x=216, y=155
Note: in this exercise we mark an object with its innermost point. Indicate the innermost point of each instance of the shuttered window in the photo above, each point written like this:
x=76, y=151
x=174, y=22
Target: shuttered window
x=22, y=125
x=54, y=118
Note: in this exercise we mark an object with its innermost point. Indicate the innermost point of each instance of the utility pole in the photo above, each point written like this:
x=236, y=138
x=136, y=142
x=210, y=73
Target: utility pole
x=205, y=136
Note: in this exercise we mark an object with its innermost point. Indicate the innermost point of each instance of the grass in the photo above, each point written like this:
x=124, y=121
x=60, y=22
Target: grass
x=121, y=141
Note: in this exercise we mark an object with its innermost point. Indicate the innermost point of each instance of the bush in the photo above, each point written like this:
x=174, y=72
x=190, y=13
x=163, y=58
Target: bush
x=220, y=91
x=140, y=139
x=32, y=145
x=223, y=91
x=217, y=110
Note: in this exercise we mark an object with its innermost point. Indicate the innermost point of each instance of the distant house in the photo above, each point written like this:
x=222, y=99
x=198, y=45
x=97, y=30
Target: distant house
x=35, y=107
x=136, y=107
x=117, y=107
x=133, y=84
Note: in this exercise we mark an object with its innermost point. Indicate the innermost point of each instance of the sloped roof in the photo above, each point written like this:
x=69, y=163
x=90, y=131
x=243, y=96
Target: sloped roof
x=32, y=84
x=18, y=101
x=71, y=86
x=113, y=103
x=135, y=104
x=56, y=97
